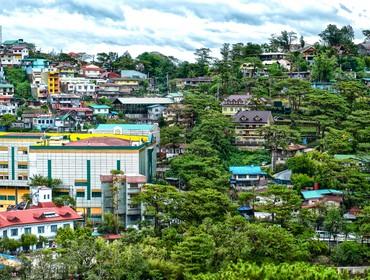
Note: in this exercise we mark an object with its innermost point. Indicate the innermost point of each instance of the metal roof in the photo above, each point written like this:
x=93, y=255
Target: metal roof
x=320, y=193
x=283, y=175
x=247, y=170
x=145, y=100
x=125, y=126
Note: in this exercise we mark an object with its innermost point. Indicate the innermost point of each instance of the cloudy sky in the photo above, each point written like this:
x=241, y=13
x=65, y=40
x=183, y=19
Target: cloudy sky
x=171, y=27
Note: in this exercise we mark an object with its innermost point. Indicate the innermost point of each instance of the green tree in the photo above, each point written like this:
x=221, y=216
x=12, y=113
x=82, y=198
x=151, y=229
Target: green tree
x=283, y=41
x=351, y=90
x=350, y=253
x=333, y=36
x=7, y=120
x=161, y=202
x=323, y=68
x=295, y=90
x=333, y=222
x=195, y=253
x=222, y=136
x=338, y=142
x=281, y=202
x=28, y=240
x=203, y=59
x=172, y=135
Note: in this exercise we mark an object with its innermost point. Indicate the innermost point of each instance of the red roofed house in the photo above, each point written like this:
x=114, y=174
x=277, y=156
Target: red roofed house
x=43, y=218
x=91, y=71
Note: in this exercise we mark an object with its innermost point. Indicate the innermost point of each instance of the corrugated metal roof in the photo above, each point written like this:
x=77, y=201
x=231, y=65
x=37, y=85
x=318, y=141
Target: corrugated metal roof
x=247, y=170
x=97, y=106
x=320, y=193
x=283, y=175
x=125, y=126
x=145, y=100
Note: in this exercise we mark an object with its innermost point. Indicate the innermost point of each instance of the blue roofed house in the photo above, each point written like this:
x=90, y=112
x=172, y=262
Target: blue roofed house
x=326, y=197
x=246, y=177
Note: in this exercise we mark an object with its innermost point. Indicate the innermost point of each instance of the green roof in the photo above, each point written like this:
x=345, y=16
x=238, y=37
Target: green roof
x=125, y=126
x=320, y=193
x=96, y=106
x=6, y=85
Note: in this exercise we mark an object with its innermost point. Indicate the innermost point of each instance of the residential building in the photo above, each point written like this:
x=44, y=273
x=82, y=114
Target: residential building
x=247, y=177
x=308, y=53
x=247, y=125
x=137, y=107
x=43, y=122
x=7, y=105
x=128, y=187
x=236, y=103
x=281, y=155
x=364, y=48
x=300, y=75
x=112, y=90
x=77, y=159
x=6, y=89
x=67, y=122
x=177, y=97
x=64, y=100
x=43, y=218
x=53, y=82
x=155, y=112
x=91, y=71
x=192, y=82
x=272, y=56
x=77, y=85
x=324, y=197
x=100, y=109
x=283, y=177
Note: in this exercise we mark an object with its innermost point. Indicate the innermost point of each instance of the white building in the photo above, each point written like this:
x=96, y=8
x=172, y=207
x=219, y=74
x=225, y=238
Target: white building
x=43, y=218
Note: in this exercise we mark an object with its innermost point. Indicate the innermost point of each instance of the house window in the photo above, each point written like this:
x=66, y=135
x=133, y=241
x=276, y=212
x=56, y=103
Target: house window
x=5, y=234
x=3, y=165
x=96, y=194
x=27, y=230
x=22, y=166
x=53, y=228
x=11, y=197
x=14, y=232
x=80, y=194
x=2, y=197
x=40, y=229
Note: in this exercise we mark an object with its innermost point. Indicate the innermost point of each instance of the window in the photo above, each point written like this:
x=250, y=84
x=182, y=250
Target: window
x=5, y=234
x=22, y=177
x=4, y=165
x=4, y=177
x=14, y=232
x=11, y=197
x=80, y=194
x=96, y=194
x=53, y=228
x=22, y=166
x=2, y=197
x=40, y=229
x=27, y=230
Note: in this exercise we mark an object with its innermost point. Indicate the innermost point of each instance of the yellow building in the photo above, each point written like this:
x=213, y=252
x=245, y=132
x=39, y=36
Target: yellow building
x=53, y=82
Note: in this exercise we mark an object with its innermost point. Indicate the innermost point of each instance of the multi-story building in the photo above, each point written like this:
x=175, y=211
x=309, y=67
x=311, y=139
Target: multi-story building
x=235, y=103
x=192, y=82
x=6, y=89
x=91, y=71
x=43, y=218
x=77, y=85
x=127, y=188
x=77, y=159
x=64, y=100
x=247, y=125
x=247, y=177
x=53, y=82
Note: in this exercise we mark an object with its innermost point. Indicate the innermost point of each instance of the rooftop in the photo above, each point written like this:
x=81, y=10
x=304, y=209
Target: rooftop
x=100, y=141
x=253, y=116
x=97, y=106
x=246, y=170
x=125, y=126
x=144, y=100
x=36, y=216
x=320, y=193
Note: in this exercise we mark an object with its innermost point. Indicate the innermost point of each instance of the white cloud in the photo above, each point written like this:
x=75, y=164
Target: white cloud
x=173, y=27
